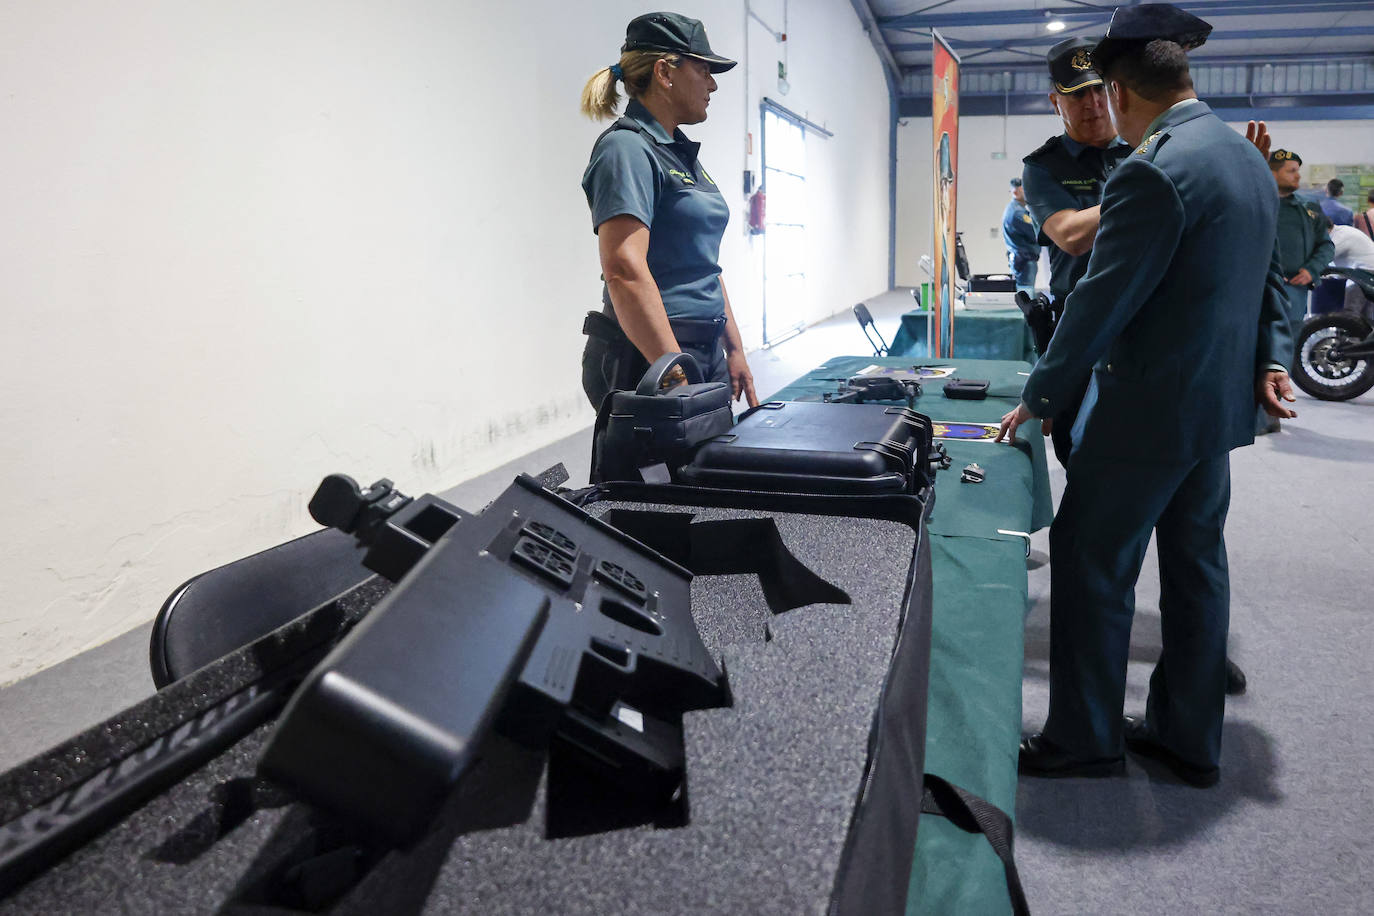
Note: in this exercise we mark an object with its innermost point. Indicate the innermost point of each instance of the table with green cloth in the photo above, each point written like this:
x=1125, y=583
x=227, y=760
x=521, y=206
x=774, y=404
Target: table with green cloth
x=996, y=334
x=979, y=602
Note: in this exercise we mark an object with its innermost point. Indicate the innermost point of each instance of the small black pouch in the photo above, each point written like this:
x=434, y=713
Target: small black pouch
x=966, y=389
x=653, y=426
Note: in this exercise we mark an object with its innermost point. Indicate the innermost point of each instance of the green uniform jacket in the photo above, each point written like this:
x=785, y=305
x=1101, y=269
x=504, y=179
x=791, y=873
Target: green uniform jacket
x=1304, y=240
x=1179, y=308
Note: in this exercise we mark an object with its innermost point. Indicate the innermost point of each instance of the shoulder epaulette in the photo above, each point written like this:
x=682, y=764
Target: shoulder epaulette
x=1048, y=146
x=1150, y=146
x=624, y=122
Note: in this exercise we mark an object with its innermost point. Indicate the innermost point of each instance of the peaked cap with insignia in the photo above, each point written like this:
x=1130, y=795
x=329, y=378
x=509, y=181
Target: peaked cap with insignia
x=1071, y=67
x=1132, y=27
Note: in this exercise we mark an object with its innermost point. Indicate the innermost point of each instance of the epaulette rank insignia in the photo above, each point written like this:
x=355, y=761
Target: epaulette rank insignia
x=1144, y=147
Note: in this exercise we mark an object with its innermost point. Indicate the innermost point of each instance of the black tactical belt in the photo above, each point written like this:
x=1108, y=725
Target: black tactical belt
x=694, y=332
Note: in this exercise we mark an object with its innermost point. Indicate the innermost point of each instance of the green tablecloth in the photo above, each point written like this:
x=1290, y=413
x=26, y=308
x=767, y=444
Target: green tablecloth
x=992, y=334
x=979, y=604
x=1016, y=494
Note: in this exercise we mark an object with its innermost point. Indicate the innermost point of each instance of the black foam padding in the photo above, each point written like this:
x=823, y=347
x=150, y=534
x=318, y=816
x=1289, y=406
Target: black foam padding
x=81, y=757
x=772, y=782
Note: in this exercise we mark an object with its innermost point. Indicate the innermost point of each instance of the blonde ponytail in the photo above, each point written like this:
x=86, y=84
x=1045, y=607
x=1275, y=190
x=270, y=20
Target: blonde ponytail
x=600, y=97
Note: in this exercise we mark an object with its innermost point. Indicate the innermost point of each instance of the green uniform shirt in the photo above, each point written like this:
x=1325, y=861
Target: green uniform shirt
x=637, y=169
x=1064, y=174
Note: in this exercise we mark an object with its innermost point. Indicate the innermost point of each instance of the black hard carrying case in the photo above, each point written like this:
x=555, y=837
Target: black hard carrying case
x=656, y=425
x=814, y=447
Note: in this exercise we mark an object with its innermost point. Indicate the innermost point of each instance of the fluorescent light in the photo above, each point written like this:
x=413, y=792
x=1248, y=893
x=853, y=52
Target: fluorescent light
x=1054, y=25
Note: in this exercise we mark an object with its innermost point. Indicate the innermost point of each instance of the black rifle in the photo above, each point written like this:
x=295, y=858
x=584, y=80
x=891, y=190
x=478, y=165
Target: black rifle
x=860, y=389
x=533, y=619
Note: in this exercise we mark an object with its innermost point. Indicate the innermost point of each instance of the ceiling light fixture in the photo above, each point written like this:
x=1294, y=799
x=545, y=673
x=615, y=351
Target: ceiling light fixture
x=1054, y=25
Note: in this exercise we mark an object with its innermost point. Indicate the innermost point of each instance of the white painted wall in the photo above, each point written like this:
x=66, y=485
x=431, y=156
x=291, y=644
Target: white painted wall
x=247, y=244
x=847, y=230
x=983, y=189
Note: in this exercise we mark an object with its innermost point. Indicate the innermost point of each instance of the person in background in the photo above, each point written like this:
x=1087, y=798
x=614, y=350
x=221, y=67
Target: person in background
x=1176, y=358
x=1353, y=249
x=658, y=215
x=1338, y=213
x=1365, y=221
x=1304, y=245
x=1019, y=235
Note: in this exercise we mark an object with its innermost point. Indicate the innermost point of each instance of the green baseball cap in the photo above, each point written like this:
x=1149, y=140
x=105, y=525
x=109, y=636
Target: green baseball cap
x=673, y=32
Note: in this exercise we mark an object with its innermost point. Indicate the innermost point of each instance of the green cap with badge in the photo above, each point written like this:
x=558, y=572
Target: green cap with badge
x=1280, y=156
x=676, y=33
x=1071, y=66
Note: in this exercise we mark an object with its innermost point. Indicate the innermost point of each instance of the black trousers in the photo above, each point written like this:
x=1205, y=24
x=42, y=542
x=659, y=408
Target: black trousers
x=1097, y=544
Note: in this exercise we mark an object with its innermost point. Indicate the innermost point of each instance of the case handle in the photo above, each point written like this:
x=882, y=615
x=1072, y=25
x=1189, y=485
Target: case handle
x=652, y=379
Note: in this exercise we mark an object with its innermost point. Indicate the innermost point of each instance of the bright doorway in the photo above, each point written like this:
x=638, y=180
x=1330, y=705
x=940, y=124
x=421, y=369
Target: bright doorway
x=784, y=239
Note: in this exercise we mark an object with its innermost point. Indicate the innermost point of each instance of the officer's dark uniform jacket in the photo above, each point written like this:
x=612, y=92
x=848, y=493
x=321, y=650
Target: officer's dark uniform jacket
x=1304, y=239
x=1064, y=174
x=1304, y=242
x=637, y=169
x=1145, y=316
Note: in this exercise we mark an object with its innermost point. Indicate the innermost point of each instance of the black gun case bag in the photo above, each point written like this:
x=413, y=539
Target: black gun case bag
x=801, y=793
x=808, y=447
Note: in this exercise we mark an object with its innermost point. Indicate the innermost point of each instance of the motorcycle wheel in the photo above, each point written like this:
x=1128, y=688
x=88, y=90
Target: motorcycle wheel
x=1316, y=373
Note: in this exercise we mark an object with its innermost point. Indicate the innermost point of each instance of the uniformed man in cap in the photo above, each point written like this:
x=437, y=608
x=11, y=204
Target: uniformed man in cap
x=1304, y=241
x=1063, y=184
x=1018, y=234
x=1178, y=361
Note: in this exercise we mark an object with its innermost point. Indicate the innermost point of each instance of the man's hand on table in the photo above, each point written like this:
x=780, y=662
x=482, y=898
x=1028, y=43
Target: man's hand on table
x=1011, y=420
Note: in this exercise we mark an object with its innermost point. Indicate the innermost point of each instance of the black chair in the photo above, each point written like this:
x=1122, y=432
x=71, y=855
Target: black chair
x=232, y=605
x=865, y=319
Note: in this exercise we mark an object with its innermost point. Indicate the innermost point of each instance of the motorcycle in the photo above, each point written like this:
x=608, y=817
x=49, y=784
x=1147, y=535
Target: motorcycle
x=1335, y=351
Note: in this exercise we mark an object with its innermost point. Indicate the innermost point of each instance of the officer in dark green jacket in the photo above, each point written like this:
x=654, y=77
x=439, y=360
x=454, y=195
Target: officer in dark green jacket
x=1178, y=361
x=1304, y=238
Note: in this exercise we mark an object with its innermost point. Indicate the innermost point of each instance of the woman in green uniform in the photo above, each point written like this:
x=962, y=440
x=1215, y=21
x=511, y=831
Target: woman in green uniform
x=658, y=215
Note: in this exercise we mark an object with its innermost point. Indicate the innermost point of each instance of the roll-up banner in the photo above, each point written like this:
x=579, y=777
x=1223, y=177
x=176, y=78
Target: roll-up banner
x=945, y=118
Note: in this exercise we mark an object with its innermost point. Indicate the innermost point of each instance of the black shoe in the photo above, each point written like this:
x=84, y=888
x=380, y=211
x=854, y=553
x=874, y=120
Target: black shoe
x=1235, y=679
x=1140, y=740
x=1038, y=757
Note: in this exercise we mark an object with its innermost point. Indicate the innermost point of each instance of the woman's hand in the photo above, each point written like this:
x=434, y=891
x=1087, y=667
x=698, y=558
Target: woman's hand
x=674, y=377
x=741, y=379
